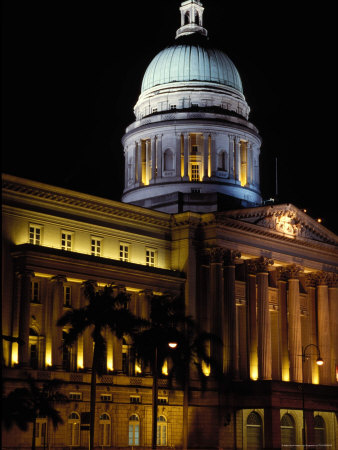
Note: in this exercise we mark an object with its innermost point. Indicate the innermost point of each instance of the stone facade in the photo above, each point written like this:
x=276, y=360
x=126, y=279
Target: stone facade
x=266, y=293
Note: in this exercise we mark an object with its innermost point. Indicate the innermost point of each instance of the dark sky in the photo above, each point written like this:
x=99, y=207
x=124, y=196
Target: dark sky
x=72, y=72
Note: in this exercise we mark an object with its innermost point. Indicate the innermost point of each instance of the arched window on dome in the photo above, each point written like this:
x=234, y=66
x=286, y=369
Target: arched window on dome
x=105, y=430
x=254, y=431
x=197, y=18
x=74, y=429
x=186, y=18
x=168, y=160
x=161, y=431
x=222, y=161
x=320, y=431
x=288, y=430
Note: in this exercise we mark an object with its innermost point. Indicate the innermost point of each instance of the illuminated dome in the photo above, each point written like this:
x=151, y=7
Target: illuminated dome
x=191, y=147
x=191, y=62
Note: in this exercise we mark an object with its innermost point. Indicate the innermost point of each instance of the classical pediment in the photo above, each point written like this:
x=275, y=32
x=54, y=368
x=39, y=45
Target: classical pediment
x=286, y=220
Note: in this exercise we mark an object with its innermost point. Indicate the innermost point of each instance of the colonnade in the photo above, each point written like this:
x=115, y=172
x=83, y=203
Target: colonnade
x=146, y=164
x=275, y=332
x=49, y=310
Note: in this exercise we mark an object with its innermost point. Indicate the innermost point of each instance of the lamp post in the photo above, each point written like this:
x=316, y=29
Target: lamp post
x=319, y=362
x=172, y=345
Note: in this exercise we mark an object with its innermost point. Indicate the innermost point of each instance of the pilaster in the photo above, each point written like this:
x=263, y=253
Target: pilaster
x=25, y=298
x=57, y=311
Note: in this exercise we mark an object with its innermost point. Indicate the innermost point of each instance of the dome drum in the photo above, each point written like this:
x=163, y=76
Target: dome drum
x=190, y=95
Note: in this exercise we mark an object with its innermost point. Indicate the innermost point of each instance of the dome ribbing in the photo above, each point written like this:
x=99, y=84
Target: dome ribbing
x=191, y=62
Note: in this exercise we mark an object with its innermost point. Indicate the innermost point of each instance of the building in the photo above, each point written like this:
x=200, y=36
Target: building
x=264, y=278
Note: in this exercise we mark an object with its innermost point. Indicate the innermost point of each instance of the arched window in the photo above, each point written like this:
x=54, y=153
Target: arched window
x=41, y=432
x=33, y=348
x=66, y=354
x=168, y=160
x=288, y=431
x=254, y=431
x=320, y=432
x=196, y=18
x=161, y=431
x=105, y=433
x=134, y=430
x=222, y=163
x=186, y=18
x=74, y=429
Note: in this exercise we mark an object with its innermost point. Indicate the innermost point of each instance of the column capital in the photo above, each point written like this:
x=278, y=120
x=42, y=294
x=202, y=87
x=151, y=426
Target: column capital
x=58, y=279
x=24, y=273
x=293, y=271
x=322, y=278
x=259, y=265
x=230, y=256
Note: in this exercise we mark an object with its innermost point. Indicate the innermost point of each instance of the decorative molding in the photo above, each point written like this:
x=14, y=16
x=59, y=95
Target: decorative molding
x=322, y=278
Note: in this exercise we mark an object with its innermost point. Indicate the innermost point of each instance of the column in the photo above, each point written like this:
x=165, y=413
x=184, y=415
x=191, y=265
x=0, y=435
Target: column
x=159, y=156
x=213, y=159
x=283, y=326
x=294, y=323
x=24, y=318
x=178, y=155
x=264, y=324
x=333, y=312
x=249, y=163
x=126, y=163
x=229, y=336
x=153, y=160
x=57, y=311
x=237, y=158
x=231, y=157
x=148, y=161
x=252, y=321
x=206, y=157
x=139, y=163
x=135, y=163
x=216, y=292
x=323, y=318
x=186, y=146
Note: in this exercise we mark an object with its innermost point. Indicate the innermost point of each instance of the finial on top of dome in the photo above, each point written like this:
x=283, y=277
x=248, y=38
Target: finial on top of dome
x=191, y=18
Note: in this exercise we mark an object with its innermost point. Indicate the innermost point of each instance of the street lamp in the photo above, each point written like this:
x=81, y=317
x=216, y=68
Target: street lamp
x=172, y=345
x=319, y=362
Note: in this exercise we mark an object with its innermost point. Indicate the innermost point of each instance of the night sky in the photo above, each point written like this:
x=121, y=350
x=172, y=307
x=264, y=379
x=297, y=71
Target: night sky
x=72, y=72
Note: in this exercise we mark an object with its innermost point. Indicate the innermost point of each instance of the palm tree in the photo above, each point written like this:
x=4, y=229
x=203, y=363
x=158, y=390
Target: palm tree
x=24, y=405
x=103, y=311
x=192, y=351
x=168, y=323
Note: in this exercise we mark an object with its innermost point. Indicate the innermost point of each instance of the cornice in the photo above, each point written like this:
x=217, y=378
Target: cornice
x=14, y=187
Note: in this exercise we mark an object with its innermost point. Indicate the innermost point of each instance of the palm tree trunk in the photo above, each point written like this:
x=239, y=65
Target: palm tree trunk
x=34, y=433
x=93, y=400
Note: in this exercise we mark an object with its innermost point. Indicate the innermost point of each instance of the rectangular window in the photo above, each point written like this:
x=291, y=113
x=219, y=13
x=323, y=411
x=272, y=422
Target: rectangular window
x=75, y=396
x=150, y=257
x=106, y=397
x=66, y=240
x=135, y=399
x=96, y=246
x=35, y=296
x=67, y=295
x=195, y=172
x=35, y=234
x=124, y=252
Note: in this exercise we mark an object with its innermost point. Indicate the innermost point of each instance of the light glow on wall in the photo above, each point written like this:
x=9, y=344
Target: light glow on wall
x=206, y=369
x=48, y=359
x=138, y=368
x=15, y=353
x=165, y=367
x=254, y=373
